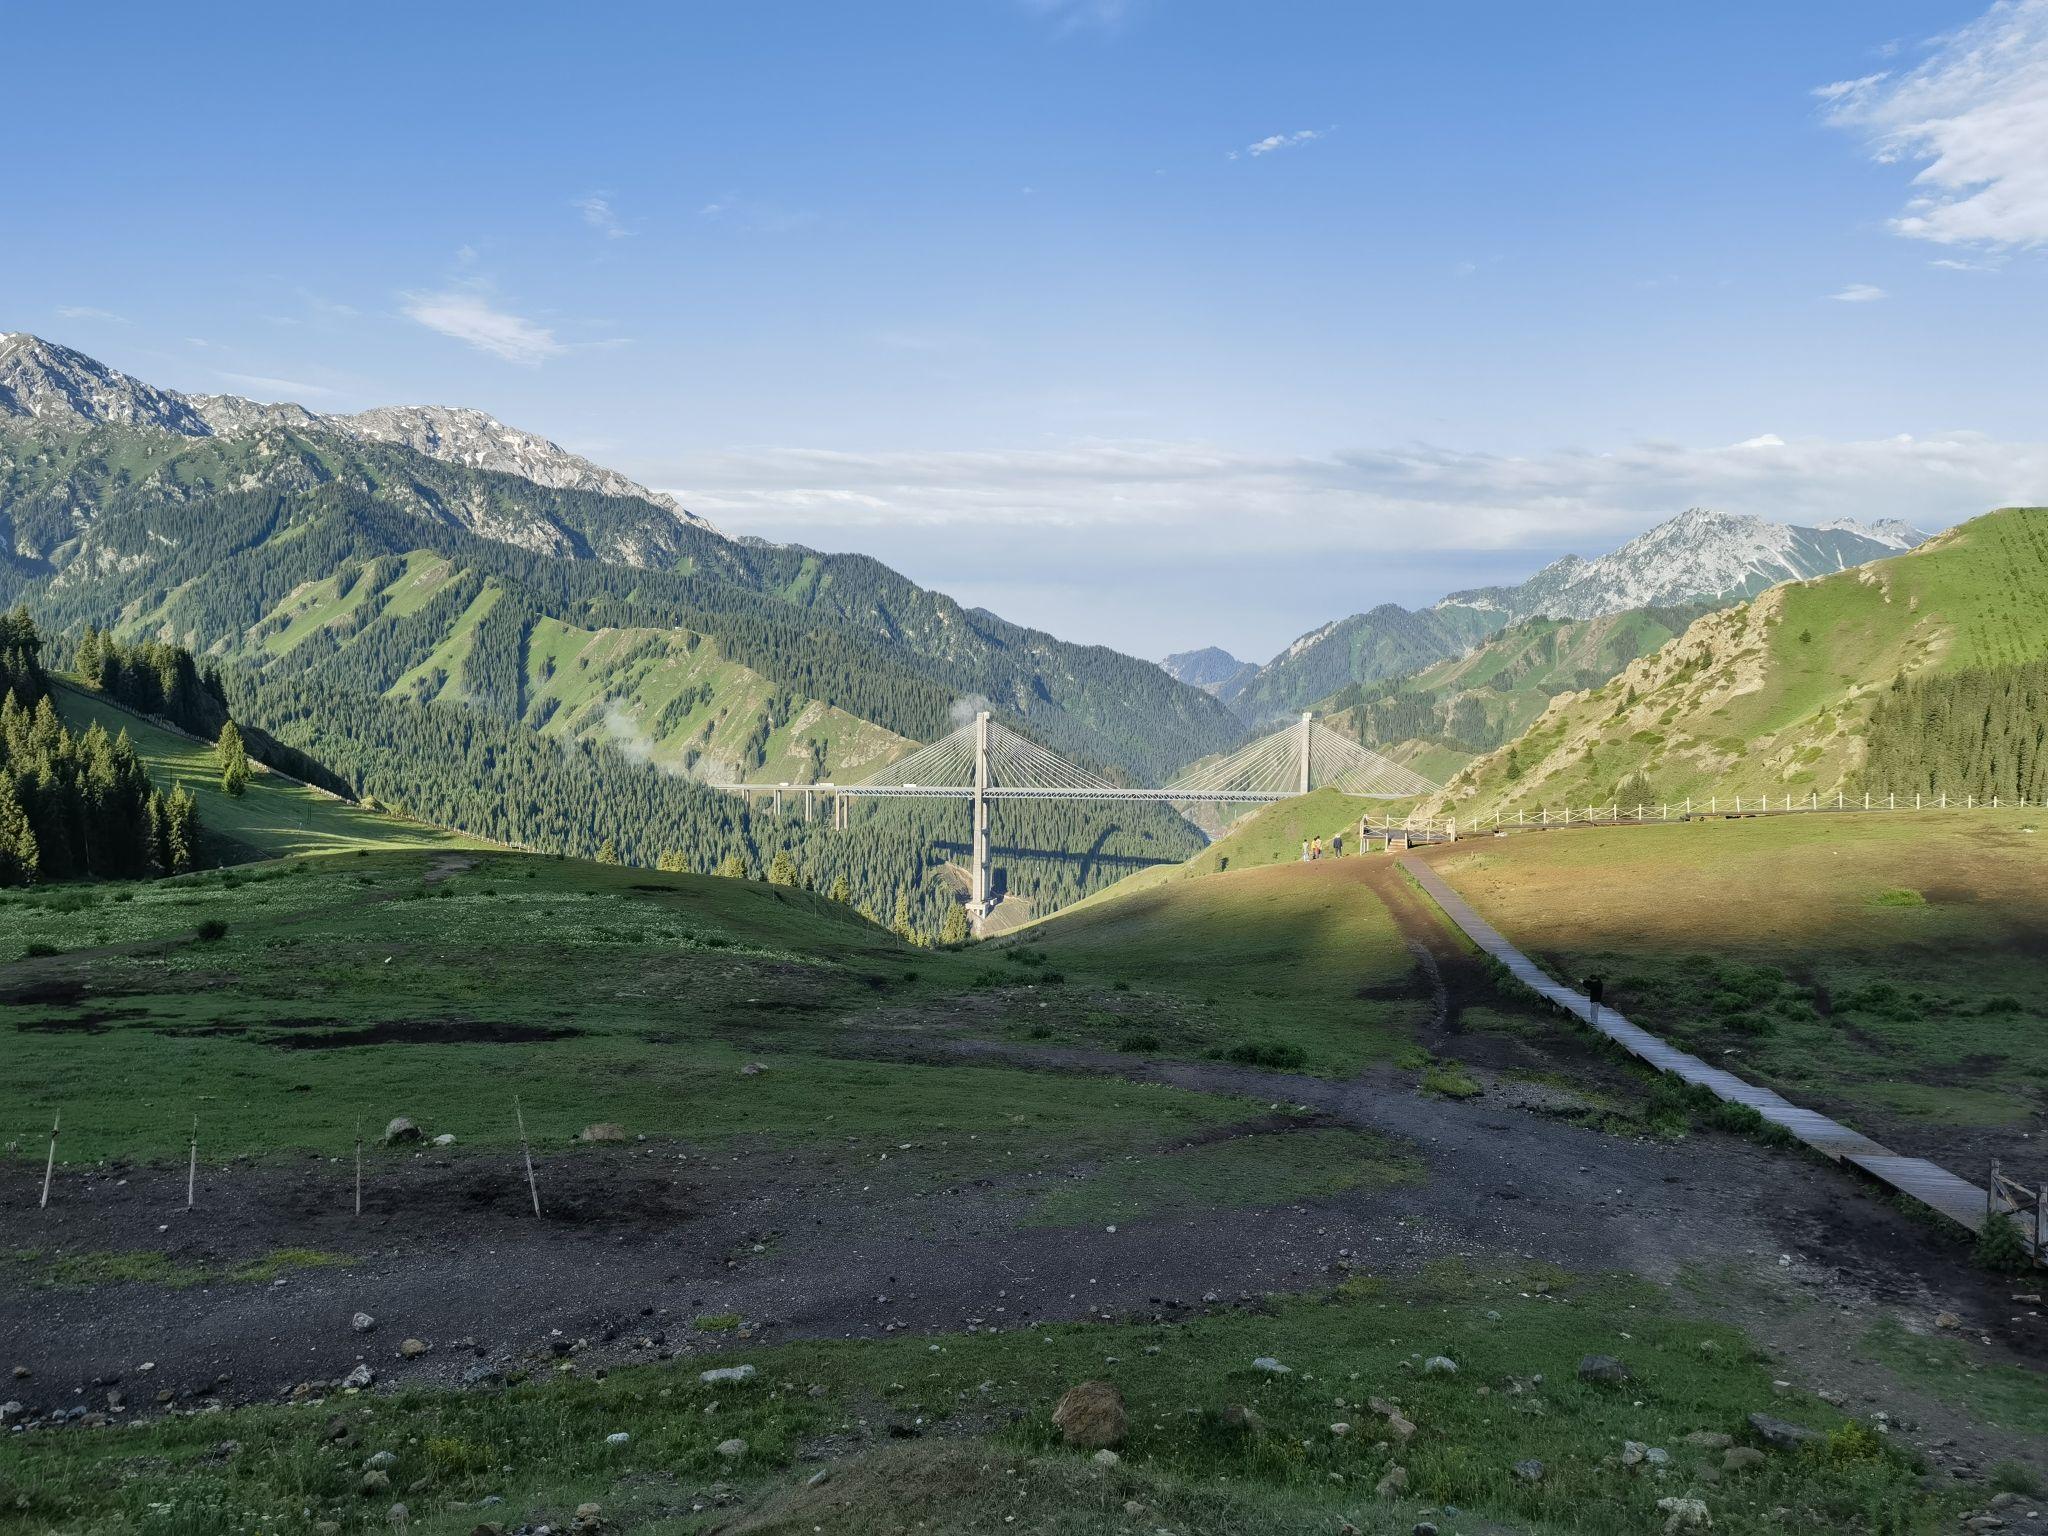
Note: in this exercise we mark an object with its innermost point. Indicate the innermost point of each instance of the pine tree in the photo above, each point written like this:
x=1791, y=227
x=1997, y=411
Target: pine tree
x=900, y=924
x=782, y=870
x=607, y=852
x=672, y=862
x=734, y=867
x=19, y=860
x=841, y=892
x=954, y=929
x=233, y=760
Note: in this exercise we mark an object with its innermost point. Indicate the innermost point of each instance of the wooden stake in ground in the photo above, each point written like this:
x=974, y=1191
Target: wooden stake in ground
x=50, y=1167
x=359, y=1166
x=525, y=1151
x=192, y=1167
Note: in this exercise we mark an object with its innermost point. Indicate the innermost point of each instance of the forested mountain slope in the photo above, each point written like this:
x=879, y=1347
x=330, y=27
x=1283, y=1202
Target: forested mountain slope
x=1778, y=694
x=110, y=489
x=1449, y=713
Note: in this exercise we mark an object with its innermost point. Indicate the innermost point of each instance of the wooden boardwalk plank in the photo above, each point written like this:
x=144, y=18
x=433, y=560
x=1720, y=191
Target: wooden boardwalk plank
x=1932, y=1185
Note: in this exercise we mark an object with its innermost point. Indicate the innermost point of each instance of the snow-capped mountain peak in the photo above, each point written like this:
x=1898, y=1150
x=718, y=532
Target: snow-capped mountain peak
x=50, y=383
x=1697, y=554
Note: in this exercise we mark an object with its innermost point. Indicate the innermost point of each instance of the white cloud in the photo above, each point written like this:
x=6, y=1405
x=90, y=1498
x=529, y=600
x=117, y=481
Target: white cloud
x=1858, y=293
x=1273, y=141
x=88, y=312
x=1082, y=15
x=1974, y=117
x=598, y=213
x=275, y=388
x=1417, y=497
x=468, y=315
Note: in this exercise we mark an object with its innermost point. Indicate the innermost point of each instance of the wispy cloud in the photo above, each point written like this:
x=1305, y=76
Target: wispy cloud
x=275, y=388
x=1085, y=15
x=1858, y=293
x=1419, y=496
x=598, y=213
x=1974, y=117
x=469, y=315
x=88, y=312
x=1273, y=141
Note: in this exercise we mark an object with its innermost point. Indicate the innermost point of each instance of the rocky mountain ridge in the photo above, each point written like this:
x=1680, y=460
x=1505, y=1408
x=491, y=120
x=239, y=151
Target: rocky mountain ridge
x=56, y=385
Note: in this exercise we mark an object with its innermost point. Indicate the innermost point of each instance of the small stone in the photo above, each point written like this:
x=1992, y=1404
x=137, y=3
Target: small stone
x=727, y=1373
x=1091, y=1416
x=732, y=1450
x=376, y=1481
x=358, y=1378
x=1742, y=1458
x=1393, y=1484
x=1709, y=1440
x=1271, y=1366
x=1603, y=1371
x=1632, y=1452
x=400, y=1131
x=752, y=1069
x=383, y=1461
x=1133, y=1509
x=1439, y=1365
x=1781, y=1435
x=1245, y=1420
x=398, y=1514
x=21, y=1373
x=1340, y=1430
x=326, y=1528
x=1947, y=1320
x=1106, y=1457
x=412, y=1349
x=1686, y=1515
x=362, y=1322
x=445, y=1139
x=604, y=1130
x=1423, y=1528
x=819, y=1478
x=617, y=1438
x=1530, y=1471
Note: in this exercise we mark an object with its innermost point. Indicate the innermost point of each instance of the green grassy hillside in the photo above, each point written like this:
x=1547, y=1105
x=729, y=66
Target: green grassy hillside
x=1439, y=719
x=1773, y=695
x=274, y=818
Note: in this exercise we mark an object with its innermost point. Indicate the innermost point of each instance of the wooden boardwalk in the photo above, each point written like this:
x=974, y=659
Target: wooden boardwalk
x=1932, y=1185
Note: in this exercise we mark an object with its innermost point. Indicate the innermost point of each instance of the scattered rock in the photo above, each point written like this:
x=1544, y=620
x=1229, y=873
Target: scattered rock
x=1271, y=1366
x=1394, y=1484
x=1742, y=1458
x=753, y=1069
x=1709, y=1440
x=1422, y=1528
x=728, y=1373
x=1091, y=1416
x=819, y=1478
x=1603, y=1371
x=1340, y=1430
x=732, y=1450
x=362, y=1322
x=358, y=1378
x=618, y=1437
x=445, y=1139
x=383, y=1461
x=12, y=1409
x=1530, y=1471
x=588, y=1517
x=412, y=1349
x=376, y=1481
x=1686, y=1515
x=604, y=1130
x=398, y=1514
x=1106, y=1457
x=1439, y=1365
x=401, y=1131
x=1245, y=1420
x=1782, y=1436
x=1947, y=1320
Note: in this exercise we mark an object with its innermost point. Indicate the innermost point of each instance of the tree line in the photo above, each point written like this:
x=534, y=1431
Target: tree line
x=76, y=804
x=1977, y=731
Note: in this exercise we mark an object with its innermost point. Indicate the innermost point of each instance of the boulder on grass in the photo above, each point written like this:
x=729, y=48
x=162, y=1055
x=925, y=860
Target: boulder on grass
x=1603, y=1371
x=604, y=1130
x=401, y=1131
x=1091, y=1416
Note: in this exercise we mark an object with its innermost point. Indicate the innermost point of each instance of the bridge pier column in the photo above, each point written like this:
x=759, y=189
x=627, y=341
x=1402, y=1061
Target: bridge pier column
x=1308, y=725
x=978, y=900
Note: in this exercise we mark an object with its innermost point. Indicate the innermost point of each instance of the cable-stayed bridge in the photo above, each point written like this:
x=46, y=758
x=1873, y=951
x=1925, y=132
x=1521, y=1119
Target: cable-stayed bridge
x=984, y=761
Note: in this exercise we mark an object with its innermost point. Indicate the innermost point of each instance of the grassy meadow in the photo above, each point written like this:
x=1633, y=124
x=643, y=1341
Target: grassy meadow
x=1889, y=965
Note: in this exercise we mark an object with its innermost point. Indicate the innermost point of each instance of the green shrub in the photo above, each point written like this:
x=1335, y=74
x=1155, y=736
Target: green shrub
x=211, y=931
x=1139, y=1042
x=1267, y=1053
x=2001, y=1249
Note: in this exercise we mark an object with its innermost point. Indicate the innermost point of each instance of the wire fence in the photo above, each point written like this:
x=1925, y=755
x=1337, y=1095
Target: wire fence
x=1696, y=808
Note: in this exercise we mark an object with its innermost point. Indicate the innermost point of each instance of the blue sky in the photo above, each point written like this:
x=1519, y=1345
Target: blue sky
x=1158, y=323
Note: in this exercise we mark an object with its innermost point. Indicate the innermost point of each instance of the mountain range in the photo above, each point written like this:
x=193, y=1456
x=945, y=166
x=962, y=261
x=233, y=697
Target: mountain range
x=1698, y=556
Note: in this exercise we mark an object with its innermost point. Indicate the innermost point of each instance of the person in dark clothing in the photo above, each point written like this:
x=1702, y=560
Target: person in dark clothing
x=1596, y=991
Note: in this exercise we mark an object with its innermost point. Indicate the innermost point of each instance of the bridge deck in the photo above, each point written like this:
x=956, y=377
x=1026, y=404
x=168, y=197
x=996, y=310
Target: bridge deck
x=1932, y=1185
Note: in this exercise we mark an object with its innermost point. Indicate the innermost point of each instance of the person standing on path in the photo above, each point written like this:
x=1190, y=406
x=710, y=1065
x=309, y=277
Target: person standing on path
x=1596, y=989
x=1304, y=850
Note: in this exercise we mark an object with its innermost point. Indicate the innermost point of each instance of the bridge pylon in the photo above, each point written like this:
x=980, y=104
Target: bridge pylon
x=978, y=903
